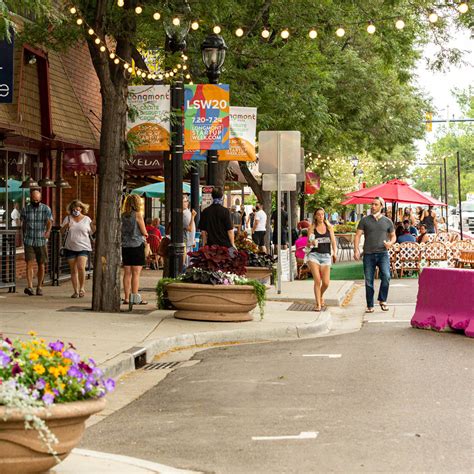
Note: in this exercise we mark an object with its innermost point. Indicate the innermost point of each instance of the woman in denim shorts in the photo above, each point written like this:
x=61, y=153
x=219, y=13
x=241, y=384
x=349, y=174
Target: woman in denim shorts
x=320, y=242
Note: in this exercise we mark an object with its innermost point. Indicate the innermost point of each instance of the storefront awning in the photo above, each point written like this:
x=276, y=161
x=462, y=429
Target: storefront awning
x=80, y=161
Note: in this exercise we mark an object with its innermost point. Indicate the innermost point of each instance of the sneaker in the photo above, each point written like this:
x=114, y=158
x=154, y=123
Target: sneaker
x=29, y=291
x=39, y=292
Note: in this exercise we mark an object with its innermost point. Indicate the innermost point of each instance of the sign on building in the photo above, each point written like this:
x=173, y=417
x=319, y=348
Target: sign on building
x=243, y=128
x=206, y=196
x=206, y=117
x=6, y=71
x=148, y=125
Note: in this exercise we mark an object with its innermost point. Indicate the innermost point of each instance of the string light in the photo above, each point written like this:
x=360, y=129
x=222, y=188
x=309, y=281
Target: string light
x=112, y=55
x=179, y=66
x=399, y=24
x=265, y=34
x=340, y=32
x=167, y=75
x=185, y=67
x=285, y=34
x=171, y=73
x=175, y=70
x=194, y=25
x=120, y=3
x=433, y=17
x=90, y=31
x=79, y=21
x=116, y=60
x=126, y=66
x=188, y=76
x=239, y=32
x=185, y=58
x=176, y=21
x=313, y=34
x=156, y=16
x=217, y=29
x=102, y=49
x=463, y=7
x=138, y=10
x=160, y=76
x=73, y=10
x=97, y=41
x=371, y=28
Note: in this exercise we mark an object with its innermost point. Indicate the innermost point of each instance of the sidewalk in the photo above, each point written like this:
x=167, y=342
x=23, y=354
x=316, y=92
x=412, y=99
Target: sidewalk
x=114, y=341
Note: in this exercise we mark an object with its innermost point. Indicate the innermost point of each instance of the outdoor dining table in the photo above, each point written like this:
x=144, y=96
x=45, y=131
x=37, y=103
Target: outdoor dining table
x=445, y=298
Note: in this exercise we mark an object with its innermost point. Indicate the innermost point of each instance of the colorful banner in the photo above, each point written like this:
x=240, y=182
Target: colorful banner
x=206, y=117
x=148, y=124
x=195, y=155
x=312, y=183
x=243, y=128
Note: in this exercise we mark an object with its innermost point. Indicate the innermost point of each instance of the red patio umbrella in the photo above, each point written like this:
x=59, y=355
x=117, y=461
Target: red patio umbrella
x=394, y=190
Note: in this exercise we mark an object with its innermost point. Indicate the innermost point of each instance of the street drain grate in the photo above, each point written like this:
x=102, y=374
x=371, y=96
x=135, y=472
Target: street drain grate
x=302, y=307
x=161, y=365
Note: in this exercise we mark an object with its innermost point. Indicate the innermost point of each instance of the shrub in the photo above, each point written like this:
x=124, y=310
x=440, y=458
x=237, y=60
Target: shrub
x=214, y=257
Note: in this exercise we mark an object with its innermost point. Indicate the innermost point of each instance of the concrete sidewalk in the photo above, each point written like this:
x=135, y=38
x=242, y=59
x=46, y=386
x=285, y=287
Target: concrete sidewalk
x=114, y=340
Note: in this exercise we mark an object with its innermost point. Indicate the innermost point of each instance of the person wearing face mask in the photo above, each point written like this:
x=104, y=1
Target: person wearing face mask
x=77, y=229
x=36, y=221
x=379, y=236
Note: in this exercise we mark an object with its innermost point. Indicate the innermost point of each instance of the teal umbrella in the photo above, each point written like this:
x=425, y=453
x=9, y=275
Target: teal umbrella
x=14, y=190
x=157, y=190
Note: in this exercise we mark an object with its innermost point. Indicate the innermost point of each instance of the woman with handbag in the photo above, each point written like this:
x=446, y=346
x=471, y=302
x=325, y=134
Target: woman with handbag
x=134, y=236
x=77, y=230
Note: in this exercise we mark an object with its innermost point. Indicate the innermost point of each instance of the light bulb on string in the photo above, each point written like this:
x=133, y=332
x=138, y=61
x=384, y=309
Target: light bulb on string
x=130, y=69
x=191, y=82
x=97, y=41
x=126, y=66
x=194, y=25
x=139, y=73
x=171, y=73
x=340, y=32
x=73, y=10
x=179, y=66
x=433, y=17
x=79, y=21
x=112, y=55
x=463, y=7
x=156, y=16
x=175, y=70
x=90, y=31
x=160, y=76
x=138, y=10
x=239, y=32
x=176, y=21
x=265, y=34
x=149, y=76
x=371, y=28
x=285, y=34
x=167, y=75
x=116, y=60
x=185, y=58
x=185, y=67
x=217, y=29
x=120, y=3
x=313, y=34
x=399, y=24
x=188, y=76
x=102, y=49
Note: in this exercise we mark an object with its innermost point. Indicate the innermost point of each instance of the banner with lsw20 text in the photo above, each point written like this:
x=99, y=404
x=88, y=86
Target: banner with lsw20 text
x=243, y=128
x=206, y=117
x=148, y=124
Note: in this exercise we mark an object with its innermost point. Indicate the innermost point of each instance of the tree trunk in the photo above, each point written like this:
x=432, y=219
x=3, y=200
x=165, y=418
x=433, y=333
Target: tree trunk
x=221, y=173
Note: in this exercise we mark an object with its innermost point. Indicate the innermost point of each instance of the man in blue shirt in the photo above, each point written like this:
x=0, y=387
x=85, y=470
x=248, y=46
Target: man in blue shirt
x=37, y=220
x=406, y=235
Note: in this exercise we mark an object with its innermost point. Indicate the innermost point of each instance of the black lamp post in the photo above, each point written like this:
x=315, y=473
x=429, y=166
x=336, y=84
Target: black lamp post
x=176, y=28
x=213, y=51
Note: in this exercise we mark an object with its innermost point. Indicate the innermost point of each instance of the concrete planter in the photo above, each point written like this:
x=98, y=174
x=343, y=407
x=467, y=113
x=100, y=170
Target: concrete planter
x=212, y=302
x=22, y=451
x=261, y=274
x=349, y=236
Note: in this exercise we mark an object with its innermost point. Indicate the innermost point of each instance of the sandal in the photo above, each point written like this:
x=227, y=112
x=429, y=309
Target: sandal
x=318, y=310
x=75, y=295
x=369, y=310
x=82, y=293
x=123, y=301
x=383, y=306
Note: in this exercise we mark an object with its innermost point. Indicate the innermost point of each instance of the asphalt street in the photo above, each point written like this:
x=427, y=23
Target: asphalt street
x=385, y=399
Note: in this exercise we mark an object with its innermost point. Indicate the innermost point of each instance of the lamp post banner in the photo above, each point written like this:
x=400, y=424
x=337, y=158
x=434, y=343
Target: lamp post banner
x=195, y=155
x=243, y=128
x=206, y=117
x=312, y=183
x=148, y=124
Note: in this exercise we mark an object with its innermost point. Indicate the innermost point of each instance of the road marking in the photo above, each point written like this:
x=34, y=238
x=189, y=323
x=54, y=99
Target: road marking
x=388, y=321
x=330, y=356
x=302, y=435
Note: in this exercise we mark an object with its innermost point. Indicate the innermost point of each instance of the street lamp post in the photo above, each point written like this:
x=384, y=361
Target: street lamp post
x=176, y=29
x=213, y=51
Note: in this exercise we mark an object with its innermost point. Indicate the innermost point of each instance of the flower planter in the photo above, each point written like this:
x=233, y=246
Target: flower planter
x=261, y=274
x=22, y=451
x=201, y=302
x=349, y=236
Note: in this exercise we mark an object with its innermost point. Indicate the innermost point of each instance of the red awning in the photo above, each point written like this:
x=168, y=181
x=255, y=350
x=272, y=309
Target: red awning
x=80, y=161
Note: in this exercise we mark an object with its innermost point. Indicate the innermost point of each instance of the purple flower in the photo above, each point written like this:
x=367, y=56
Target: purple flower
x=88, y=387
x=40, y=384
x=96, y=372
x=75, y=372
x=56, y=346
x=83, y=366
x=8, y=341
x=16, y=369
x=4, y=359
x=92, y=362
x=48, y=398
x=109, y=384
x=74, y=356
x=56, y=391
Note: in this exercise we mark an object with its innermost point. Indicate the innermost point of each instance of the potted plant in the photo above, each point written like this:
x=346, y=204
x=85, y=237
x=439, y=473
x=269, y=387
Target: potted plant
x=49, y=388
x=346, y=230
x=213, y=288
x=260, y=265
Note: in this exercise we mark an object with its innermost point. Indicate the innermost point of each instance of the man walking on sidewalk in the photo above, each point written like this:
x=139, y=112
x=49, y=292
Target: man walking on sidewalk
x=379, y=236
x=37, y=220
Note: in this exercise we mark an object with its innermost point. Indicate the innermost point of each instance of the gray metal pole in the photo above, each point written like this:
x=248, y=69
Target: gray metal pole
x=278, y=213
x=458, y=160
x=290, y=253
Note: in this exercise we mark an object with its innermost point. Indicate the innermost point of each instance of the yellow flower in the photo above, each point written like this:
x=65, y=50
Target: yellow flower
x=34, y=356
x=39, y=369
x=32, y=333
x=54, y=371
x=62, y=370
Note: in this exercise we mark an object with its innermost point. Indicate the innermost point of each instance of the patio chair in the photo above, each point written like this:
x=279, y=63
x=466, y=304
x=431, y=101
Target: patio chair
x=454, y=236
x=393, y=254
x=443, y=237
x=409, y=257
x=455, y=249
x=436, y=252
x=344, y=245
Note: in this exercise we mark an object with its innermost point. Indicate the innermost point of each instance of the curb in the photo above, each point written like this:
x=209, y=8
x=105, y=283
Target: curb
x=126, y=361
x=335, y=301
